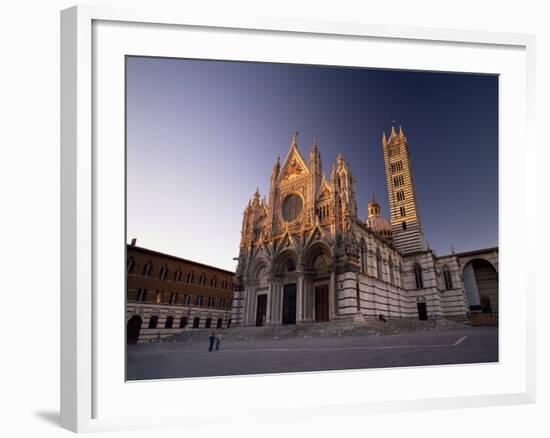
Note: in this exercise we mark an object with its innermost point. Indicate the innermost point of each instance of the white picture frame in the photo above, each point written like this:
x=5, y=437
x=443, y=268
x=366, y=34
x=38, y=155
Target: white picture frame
x=83, y=370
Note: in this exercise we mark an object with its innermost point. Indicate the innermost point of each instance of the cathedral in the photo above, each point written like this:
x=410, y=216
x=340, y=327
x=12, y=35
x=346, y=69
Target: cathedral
x=306, y=256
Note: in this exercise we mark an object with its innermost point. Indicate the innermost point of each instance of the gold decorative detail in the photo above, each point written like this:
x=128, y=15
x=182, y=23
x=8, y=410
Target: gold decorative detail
x=293, y=170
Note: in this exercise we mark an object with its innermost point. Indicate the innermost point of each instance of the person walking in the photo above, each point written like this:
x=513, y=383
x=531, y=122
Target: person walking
x=218, y=340
x=212, y=338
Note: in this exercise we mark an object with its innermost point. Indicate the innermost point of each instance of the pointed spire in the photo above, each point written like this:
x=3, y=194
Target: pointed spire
x=401, y=133
x=393, y=134
x=295, y=138
x=373, y=199
x=384, y=141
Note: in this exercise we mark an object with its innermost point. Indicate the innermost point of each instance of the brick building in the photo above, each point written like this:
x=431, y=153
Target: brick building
x=168, y=294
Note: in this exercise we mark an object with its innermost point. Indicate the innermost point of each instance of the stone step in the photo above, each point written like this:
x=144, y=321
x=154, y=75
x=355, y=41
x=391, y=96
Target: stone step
x=335, y=328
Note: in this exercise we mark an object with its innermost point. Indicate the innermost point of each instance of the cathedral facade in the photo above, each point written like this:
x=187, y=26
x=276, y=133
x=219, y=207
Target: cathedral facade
x=305, y=254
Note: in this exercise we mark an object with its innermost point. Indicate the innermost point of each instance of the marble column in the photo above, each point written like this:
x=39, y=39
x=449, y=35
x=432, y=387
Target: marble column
x=300, y=298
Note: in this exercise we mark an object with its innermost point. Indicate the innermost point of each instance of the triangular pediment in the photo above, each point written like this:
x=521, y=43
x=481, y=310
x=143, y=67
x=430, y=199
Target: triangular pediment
x=294, y=165
x=324, y=190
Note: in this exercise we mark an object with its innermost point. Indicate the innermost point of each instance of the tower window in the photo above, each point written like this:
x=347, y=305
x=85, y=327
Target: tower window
x=400, y=195
x=398, y=181
x=404, y=225
x=397, y=167
x=402, y=211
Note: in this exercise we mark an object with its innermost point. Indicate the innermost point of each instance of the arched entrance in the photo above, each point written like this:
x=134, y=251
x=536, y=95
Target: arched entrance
x=481, y=285
x=318, y=262
x=133, y=328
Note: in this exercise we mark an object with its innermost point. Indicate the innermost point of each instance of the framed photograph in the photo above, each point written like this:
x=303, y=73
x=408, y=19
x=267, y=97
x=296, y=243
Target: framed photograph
x=307, y=218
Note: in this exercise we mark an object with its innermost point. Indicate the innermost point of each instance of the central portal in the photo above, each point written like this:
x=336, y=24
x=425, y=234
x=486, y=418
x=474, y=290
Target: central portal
x=321, y=303
x=289, y=304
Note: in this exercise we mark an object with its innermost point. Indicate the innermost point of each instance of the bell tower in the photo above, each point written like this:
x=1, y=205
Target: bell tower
x=404, y=217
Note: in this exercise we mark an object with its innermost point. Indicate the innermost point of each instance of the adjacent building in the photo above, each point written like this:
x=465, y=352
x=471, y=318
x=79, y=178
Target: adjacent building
x=168, y=294
x=305, y=254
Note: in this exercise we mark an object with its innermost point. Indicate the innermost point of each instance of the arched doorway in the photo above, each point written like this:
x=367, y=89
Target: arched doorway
x=318, y=263
x=481, y=285
x=133, y=328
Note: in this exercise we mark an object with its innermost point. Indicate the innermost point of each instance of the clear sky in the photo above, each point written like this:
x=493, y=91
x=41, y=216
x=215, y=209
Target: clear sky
x=202, y=135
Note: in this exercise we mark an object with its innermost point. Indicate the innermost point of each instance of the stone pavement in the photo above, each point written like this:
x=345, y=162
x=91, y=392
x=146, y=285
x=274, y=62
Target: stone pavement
x=192, y=358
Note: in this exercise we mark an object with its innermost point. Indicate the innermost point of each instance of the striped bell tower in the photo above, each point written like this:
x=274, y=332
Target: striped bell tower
x=404, y=218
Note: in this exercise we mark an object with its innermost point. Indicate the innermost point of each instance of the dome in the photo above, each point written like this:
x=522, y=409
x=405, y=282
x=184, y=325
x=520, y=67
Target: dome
x=376, y=222
x=379, y=224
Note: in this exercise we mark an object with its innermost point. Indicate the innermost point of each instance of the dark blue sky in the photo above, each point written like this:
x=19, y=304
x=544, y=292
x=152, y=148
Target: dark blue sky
x=202, y=135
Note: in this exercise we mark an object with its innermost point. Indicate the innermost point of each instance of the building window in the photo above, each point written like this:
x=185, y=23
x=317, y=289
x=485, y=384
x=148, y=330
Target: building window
x=401, y=195
x=397, y=167
x=173, y=298
x=210, y=301
x=224, y=284
x=153, y=321
x=141, y=295
x=363, y=257
x=219, y=323
x=398, y=181
x=419, y=282
x=169, y=322
x=190, y=277
x=183, y=322
x=402, y=211
x=196, y=322
x=177, y=275
x=199, y=300
x=404, y=225
x=213, y=282
x=202, y=279
x=378, y=264
x=163, y=272
x=208, y=322
x=147, y=269
x=390, y=267
x=447, y=278
x=222, y=303
x=187, y=300
x=158, y=298
x=130, y=265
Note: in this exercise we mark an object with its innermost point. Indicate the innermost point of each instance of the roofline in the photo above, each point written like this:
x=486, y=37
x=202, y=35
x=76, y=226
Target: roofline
x=473, y=252
x=180, y=259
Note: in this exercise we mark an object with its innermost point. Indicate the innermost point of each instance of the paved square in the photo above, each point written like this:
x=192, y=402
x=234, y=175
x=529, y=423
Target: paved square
x=192, y=359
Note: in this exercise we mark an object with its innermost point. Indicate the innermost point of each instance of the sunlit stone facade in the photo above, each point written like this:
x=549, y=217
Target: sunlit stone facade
x=305, y=254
